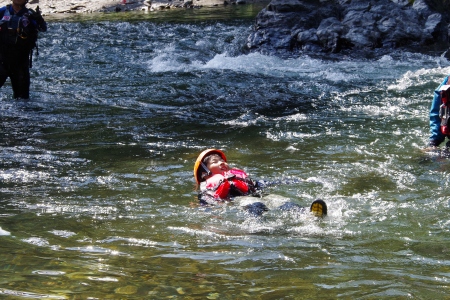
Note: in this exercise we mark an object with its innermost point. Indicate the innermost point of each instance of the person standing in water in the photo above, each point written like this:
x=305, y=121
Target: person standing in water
x=440, y=115
x=218, y=183
x=19, y=27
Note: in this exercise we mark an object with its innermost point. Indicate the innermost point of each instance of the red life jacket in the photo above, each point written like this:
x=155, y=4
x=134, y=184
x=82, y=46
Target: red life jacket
x=234, y=182
x=444, y=110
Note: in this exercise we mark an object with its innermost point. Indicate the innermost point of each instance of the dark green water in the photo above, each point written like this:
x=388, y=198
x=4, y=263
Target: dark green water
x=97, y=197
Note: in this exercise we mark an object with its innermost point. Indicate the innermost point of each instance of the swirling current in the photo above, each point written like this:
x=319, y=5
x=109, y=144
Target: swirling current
x=97, y=197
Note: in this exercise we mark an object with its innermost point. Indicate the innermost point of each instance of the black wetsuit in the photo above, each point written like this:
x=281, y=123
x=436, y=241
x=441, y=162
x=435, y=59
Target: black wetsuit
x=18, y=36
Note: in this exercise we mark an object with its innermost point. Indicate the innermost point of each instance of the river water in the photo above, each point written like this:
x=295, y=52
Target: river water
x=97, y=197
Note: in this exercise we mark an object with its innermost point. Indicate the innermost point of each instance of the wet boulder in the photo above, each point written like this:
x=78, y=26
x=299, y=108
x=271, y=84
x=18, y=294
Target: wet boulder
x=350, y=27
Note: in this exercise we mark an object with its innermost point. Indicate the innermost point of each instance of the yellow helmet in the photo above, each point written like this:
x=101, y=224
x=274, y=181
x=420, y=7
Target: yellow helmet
x=199, y=166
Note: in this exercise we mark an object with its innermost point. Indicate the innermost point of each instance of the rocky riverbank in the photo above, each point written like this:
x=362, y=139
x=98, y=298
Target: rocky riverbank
x=293, y=27
x=89, y=6
x=367, y=28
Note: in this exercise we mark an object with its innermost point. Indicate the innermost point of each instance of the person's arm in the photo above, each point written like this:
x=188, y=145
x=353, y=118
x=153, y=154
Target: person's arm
x=436, y=137
x=205, y=199
x=41, y=25
x=214, y=189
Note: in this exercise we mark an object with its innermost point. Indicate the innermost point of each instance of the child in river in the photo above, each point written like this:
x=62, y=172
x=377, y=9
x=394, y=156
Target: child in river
x=219, y=183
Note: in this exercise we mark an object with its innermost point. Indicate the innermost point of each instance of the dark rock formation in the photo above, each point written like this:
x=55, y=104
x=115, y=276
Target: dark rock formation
x=365, y=28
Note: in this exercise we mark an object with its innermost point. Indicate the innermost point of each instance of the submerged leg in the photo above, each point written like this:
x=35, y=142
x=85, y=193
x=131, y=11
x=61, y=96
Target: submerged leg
x=291, y=206
x=256, y=209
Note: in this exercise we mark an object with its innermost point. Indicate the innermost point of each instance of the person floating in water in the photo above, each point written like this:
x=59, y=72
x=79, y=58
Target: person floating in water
x=218, y=183
x=19, y=27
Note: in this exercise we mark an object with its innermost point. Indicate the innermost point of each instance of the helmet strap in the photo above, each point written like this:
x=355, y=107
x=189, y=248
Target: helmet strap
x=208, y=172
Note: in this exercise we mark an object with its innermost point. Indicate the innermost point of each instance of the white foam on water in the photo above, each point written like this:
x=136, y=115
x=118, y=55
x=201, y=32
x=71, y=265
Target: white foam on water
x=4, y=232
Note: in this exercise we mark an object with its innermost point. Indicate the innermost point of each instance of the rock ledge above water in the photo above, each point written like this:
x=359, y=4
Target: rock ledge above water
x=350, y=27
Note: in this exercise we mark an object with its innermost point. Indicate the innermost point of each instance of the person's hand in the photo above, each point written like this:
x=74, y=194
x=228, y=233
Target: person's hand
x=36, y=15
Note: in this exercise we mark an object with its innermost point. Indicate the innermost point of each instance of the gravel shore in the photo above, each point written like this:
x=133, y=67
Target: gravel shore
x=89, y=6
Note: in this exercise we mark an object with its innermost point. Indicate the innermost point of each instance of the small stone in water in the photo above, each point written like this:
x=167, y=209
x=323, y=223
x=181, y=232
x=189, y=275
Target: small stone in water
x=213, y=296
x=126, y=290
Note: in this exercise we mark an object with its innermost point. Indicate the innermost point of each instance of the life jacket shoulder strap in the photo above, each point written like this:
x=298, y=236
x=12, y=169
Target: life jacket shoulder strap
x=6, y=15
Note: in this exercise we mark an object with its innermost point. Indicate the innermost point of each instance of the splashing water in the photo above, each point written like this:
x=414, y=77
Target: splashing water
x=97, y=192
